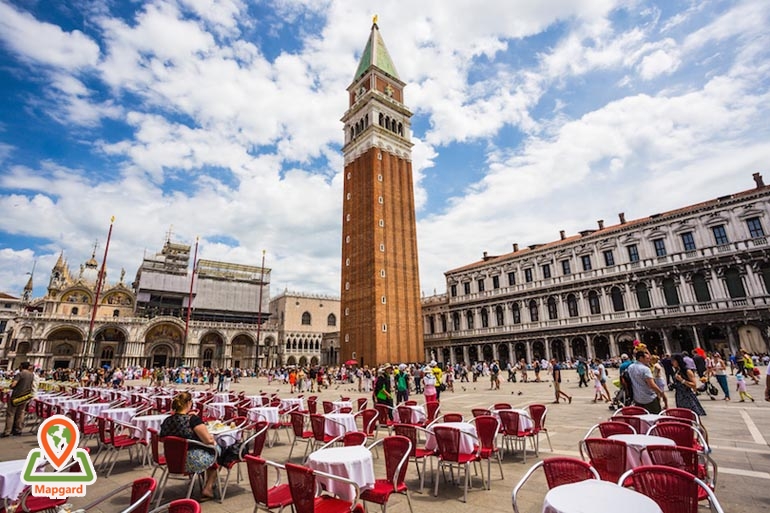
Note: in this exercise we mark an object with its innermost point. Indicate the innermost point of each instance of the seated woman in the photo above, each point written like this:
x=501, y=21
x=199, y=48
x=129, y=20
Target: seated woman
x=183, y=425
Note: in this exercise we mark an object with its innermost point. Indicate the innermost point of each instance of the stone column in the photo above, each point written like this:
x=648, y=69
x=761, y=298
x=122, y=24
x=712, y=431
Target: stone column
x=494, y=352
x=686, y=294
x=731, y=340
x=614, y=349
x=528, y=345
x=547, y=344
x=696, y=337
x=589, y=349
x=666, y=343
x=465, y=355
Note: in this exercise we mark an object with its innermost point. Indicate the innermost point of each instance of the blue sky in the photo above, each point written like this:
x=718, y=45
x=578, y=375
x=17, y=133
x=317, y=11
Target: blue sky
x=220, y=119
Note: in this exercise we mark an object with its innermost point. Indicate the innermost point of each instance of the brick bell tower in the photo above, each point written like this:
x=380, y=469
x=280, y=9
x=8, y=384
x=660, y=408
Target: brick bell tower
x=380, y=300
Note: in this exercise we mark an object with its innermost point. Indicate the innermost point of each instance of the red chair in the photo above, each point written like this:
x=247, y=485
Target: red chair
x=369, y=418
x=230, y=413
x=362, y=403
x=179, y=506
x=87, y=426
x=303, y=486
x=258, y=439
x=328, y=406
x=606, y=455
x=558, y=471
x=487, y=428
x=687, y=459
x=312, y=405
x=158, y=459
x=176, y=449
x=318, y=425
x=410, y=403
x=683, y=435
x=674, y=490
x=345, y=409
x=122, y=441
x=630, y=410
x=609, y=428
x=141, y=495
x=418, y=453
x=449, y=455
x=431, y=411
x=512, y=433
x=405, y=415
x=634, y=422
x=298, y=428
x=478, y=412
x=538, y=413
x=32, y=504
x=397, y=449
x=448, y=417
x=501, y=406
x=276, y=496
x=384, y=416
x=682, y=413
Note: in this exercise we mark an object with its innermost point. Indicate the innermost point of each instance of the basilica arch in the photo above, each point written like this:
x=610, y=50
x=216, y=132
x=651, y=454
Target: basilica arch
x=110, y=346
x=243, y=352
x=64, y=344
x=163, y=343
x=212, y=350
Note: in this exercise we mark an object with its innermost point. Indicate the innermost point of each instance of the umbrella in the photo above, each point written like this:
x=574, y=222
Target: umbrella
x=351, y=362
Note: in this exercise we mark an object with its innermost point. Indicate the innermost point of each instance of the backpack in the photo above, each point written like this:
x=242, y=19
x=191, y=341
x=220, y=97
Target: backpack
x=401, y=384
x=625, y=384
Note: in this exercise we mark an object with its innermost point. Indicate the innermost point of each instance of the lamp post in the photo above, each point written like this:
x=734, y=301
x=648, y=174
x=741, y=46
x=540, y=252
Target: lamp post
x=259, y=309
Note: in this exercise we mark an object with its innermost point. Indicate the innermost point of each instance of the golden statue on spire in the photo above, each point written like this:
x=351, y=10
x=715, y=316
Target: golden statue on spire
x=374, y=20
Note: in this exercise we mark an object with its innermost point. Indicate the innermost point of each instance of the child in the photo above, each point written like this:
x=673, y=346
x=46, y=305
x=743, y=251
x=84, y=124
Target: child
x=741, y=388
x=598, y=390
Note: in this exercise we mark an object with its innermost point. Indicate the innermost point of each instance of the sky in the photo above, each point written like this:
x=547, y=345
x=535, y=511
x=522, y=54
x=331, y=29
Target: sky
x=220, y=119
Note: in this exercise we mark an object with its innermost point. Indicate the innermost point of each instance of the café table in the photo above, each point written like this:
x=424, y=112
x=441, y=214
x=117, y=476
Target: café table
x=648, y=420
x=217, y=409
x=354, y=463
x=145, y=422
x=340, y=423
x=10, y=479
x=224, y=434
x=123, y=415
x=222, y=397
x=338, y=405
x=525, y=421
x=418, y=414
x=466, y=442
x=635, y=443
x=94, y=409
x=291, y=402
x=595, y=496
x=266, y=413
x=71, y=404
x=258, y=400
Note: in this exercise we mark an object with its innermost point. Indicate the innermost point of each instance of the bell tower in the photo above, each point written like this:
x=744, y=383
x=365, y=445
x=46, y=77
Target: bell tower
x=380, y=294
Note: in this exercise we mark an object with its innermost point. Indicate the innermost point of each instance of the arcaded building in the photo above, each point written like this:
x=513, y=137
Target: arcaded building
x=380, y=292
x=302, y=321
x=697, y=276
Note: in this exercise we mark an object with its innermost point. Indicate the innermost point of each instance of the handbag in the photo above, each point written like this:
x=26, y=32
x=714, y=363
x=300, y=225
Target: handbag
x=712, y=390
x=16, y=401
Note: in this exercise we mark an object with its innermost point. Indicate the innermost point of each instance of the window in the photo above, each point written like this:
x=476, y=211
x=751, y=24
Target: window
x=552, y=311
x=306, y=318
x=495, y=282
x=734, y=283
x=516, y=313
x=618, y=304
x=533, y=316
x=670, y=293
x=484, y=318
x=546, y=271
x=453, y=290
x=528, y=275
x=331, y=320
x=115, y=313
x=633, y=253
x=586, y=260
x=443, y=323
x=480, y=283
x=74, y=310
x=660, y=247
x=755, y=227
x=609, y=258
x=469, y=319
x=467, y=287
x=565, y=268
x=593, y=303
x=688, y=241
x=701, y=288
x=499, y=315
x=572, y=306
x=511, y=278
x=432, y=324
x=456, y=321
x=643, y=296
x=720, y=235
x=383, y=300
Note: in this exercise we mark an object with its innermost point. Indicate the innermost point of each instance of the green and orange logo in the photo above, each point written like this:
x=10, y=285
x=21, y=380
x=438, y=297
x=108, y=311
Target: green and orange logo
x=58, y=438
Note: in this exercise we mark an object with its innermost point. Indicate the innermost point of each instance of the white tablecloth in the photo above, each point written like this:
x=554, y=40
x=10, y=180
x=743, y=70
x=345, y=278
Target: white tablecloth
x=340, y=423
x=145, y=422
x=216, y=409
x=10, y=478
x=418, y=414
x=120, y=414
x=636, y=443
x=291, y=402
x=594, y=496
x=648, y=420
x=258, y=400
x=466, y=443
x=354, y=463
x=341, y=404
x=264, y=413
x=71, y=404
x=94, y=409
x=222, y=397
x=525, y=421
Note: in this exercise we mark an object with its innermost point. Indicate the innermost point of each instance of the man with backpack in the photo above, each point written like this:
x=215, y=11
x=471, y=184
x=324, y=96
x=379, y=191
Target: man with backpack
x=402, y=384
x=643, y=390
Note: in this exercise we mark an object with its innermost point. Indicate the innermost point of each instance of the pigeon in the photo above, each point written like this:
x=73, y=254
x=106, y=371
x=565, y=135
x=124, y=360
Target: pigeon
x=520, y=392
x=463, y=389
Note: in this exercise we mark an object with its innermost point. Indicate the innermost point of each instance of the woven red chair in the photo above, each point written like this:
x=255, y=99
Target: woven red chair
x=405, y=415
x=449, y=455
x=674, y=490
x=431, y=411
x=230, y=413
x=312, y=405
x=609, y=428
x=158, y=459
x=175, y=450
x=397, y=449
x=276, y=496
x=361, y=403
x=634, y=422
x=303, y=486
x=258, y=440
x=558, y=471
x=122, y=441
x=87, y=426
x=141, y=495
x=512, y=433
x=487, y=427
x=328, y=406
x=384, y=416
x=318, y=426
x=684, y=458
x=345, y=409
x=410, y=403
x=606, y=455
x=478, y=412
x=630, y=410
x=683, y=435
x=179, y=506
x=300, y=433
x=417, y=453
x=501, y=406
x=538, y=413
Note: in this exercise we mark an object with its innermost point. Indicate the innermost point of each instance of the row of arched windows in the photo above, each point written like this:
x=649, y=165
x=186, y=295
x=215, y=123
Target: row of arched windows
x=303, y=345
x=361, y=125
x=391, y=124
x=307, y=319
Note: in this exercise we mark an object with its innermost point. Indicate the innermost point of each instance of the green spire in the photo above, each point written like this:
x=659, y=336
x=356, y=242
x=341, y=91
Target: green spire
x=376, y=54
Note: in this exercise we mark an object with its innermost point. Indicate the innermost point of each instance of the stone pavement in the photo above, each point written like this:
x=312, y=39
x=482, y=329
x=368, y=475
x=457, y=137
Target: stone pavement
x=738, y=435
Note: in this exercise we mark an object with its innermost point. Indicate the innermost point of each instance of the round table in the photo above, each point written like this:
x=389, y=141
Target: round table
x=291, y=402
x=123, y=415
x=145, y=422
x=648, y=420
x=525, y=421
x=341, y=404
x=266, y=413
x=341, y=423
x=94, y=408
x=217, y=409
x=354, y=463
x=635, y=444
x=595, y=496
x=418, y=414
x=258, y=400
x=10, y=479
x=467, y=443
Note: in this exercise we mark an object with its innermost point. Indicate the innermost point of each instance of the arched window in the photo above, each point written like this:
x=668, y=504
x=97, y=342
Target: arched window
x=208, y=354
x=443, y=323
x=484, y=318
x=331, y=320
x=593, y=303
x=701, y=288
x=643, y=296
x=317, y=345
x=288, y=345
x=670, y=292
x=533, y=315
x=382, y=119
x=306, y=319
x=108, y=353
x=734, y=283
x=469, y=319
x=431, y=324
x=572, y=306
x=456, y=321
x=618, y=304
x=552, y=312
x=500, y=316
x=516, y=314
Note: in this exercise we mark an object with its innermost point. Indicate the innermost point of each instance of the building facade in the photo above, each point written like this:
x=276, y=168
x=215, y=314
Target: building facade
x=302, y=322
x=698, y=276
x=380, y=292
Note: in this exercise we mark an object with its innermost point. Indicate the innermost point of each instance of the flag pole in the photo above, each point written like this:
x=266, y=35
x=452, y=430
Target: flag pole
x=259, y=312
x=90, y=347
x=190, y=297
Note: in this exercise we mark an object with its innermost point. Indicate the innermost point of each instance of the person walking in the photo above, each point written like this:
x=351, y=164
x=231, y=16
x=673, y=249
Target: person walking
x=646, y=391
x=720, y=372
x=582, y=374
x=21, y=394
x=556, y=371
x=383, y=392
x=685, y=384
x=740, y=387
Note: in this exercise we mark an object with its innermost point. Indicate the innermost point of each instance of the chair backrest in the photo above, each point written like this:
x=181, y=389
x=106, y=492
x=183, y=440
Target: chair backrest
x=452, y=417
x=369, y=418
x=410, y=403
x=631, y=410
x=683, y=458
x=397, y=450
x=674, y=490
x=327, y=406
x=447, y=442
x=140, y=487
x=501, y=406
x=487, y=427
x=318, y=424
x=409, y=431
x=260, y=436
x=230, y=412
x=312, y=406
x=154, y=445
x=537, y=413
x=634, y=422
x=345, y=409
x=478, y=412
x=383, y=414
x=175, y=450
x=431, y=411
x=682, y=434
x=509, y=421
x=184, y=506
x=353, y=438
x=104, y=436
x=361, y=403
x=302, y=486
x=256, y=467
x=682, y=413
x=607, y=456
x=297, y=423
x=565, y=470
x=609, y=428
x=405, y=414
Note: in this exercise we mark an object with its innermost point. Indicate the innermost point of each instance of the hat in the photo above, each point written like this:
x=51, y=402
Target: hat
x=433, y=363
x=387, y=366
x=624, y=356
x=402, y=367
